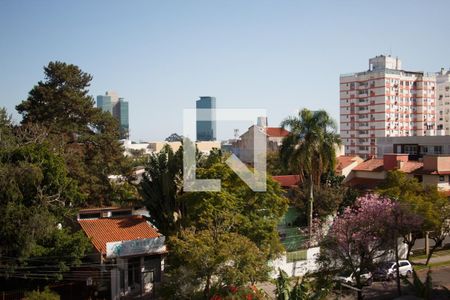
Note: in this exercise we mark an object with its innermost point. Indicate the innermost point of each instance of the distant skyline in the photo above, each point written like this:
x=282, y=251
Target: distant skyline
x=161, y=56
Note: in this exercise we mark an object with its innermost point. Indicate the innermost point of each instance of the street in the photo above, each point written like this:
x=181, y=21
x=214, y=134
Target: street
x=420, y=243
x=387, y=290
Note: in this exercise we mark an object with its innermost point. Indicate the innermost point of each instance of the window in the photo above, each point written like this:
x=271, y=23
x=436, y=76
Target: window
x=441, y=178
x=437, y=149
x=410, y=149
x=120, y=213
x=90, y=216
x=404, y=264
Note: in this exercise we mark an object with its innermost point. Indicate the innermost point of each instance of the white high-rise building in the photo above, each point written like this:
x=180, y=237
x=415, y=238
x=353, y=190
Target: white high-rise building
x=443, y=102
x=385, y=101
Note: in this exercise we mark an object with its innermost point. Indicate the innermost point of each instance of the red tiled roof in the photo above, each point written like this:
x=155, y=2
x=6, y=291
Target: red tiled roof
x=377, y=165
x=105, y=230
x=276, y=132
x=287, y=180
x=344, y=161
x=411, y=166
x=373, y=165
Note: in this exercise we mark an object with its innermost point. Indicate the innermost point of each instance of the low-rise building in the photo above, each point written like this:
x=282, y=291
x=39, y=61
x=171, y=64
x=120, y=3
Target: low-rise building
x=432, y=170
x=245, y=146
x=156, y=146
x=129, y=248
x=346, y=163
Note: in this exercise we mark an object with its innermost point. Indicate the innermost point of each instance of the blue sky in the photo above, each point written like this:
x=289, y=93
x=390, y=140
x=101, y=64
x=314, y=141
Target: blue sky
x=162, y=55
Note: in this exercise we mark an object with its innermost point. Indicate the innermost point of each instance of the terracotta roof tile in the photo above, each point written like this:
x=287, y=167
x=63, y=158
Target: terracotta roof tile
x=276, y=132
x=411, y=166
x=287, y=180
x=105, y=230
x=377, y=165
x=344, y=161
x=373, y=165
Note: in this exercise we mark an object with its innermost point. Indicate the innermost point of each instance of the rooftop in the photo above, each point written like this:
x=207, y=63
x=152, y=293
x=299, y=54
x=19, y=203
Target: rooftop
x=276, y=132
x=343, y=161
x=372, y=165
x=377, y=165
x=287, y=180
x=105, y=230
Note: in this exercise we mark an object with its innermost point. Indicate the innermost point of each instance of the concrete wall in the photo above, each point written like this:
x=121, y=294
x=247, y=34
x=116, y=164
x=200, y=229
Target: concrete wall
x=296, y=268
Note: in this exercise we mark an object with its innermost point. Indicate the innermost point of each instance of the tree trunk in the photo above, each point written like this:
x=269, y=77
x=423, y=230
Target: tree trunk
x=409, y=240
x=311, y=201
x=207, y=287
x=399, y=289
x=437, y=243
x=359, y=286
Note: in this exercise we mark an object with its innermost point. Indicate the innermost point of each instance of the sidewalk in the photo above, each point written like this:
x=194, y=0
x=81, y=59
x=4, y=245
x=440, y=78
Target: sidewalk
x=433, y=260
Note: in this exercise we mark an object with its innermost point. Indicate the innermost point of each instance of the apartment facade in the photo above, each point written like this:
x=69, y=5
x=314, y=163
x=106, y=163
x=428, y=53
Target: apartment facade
x=415, y=146
x=385, y=101
x=118, y=108
x=443, y=102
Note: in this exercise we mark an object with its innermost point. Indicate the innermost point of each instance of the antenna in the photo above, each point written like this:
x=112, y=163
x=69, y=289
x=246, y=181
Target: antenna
x=236, y=133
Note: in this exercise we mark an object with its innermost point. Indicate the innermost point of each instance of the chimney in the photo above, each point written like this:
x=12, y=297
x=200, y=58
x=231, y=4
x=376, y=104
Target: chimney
x=262, y=121
x=394, y=161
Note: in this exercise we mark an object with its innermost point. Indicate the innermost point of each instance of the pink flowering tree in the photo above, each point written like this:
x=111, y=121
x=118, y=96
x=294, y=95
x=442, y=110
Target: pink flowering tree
x=359, y=235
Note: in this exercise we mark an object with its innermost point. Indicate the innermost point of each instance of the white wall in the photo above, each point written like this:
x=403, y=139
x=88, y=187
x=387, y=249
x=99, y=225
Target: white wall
x=297, y=268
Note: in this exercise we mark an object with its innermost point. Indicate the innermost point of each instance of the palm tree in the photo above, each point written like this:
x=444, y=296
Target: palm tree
x=310, y=149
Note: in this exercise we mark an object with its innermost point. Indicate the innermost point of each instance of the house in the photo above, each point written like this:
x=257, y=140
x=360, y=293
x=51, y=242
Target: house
x=129, y=248
x=346, y=163
x=432, y=170
x=245, y=146
x=287, y=181
x=156, y=146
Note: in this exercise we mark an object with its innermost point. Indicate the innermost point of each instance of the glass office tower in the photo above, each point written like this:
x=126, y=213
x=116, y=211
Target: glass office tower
x=117, y=107
x=206, y=129
x=123, y=118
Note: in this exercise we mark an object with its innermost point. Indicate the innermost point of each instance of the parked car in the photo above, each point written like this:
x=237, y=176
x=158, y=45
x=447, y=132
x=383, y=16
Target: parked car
x=388, y=270
x=350, y=278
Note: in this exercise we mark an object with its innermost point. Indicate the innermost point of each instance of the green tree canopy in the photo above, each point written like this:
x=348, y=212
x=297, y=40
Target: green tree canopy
x=310, y=149
x=36, y=200
x=425, y=201
x=85, y=136
x=236, y=208
x=214, y=259
x=161, y=188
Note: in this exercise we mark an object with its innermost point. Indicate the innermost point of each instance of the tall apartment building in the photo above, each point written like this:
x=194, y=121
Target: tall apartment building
x=443, y=102
x=206, y=128
x=118, y=107
x=385, y=101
